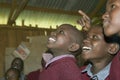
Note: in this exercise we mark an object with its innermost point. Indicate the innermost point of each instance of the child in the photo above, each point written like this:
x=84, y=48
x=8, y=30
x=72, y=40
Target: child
x=65, y=42
x=19, y=64
x=111, y=25
x=98, y=53
x=12, y=74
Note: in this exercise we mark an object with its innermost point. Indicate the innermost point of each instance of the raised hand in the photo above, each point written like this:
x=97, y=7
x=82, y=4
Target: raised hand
x=84, y=21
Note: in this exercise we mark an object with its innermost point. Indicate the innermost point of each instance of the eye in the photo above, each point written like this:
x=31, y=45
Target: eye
x=61, y=32
x=113, y=6
x=94, y=37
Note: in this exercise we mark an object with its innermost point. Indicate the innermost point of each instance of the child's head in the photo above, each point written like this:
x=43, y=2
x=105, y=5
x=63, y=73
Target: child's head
x=66, y=39
x=111, y=18
x=96, y=49
x=12, y=74
x=18, y=64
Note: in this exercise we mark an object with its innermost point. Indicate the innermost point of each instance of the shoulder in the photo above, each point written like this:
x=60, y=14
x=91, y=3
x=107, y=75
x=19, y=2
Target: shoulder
x=66, y=61
x=33, y=75
x=34, y=72
x=82, y=68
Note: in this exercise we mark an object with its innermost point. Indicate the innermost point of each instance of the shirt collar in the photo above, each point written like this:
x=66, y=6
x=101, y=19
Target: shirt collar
x=102, y=75
x=58, y=57
x=47, y=57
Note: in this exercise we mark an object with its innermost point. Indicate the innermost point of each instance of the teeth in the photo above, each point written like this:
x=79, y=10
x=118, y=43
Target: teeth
x=15, y=67
x=51, y=39
x=86, y=48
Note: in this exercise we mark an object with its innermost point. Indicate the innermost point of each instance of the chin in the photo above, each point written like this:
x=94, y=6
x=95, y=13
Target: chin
x=49, y=46
x=108, y=32
x=84, y=56
x=111, y=34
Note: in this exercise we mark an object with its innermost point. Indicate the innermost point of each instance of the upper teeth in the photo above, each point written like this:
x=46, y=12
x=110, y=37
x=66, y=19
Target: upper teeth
x=86, y=48
x=51, y=39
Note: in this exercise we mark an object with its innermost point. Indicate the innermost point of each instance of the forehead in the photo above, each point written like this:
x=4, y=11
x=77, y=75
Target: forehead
x=10, y=72
x=112, y=1
x=65, y=27
x=96, y=30
x=17, y=61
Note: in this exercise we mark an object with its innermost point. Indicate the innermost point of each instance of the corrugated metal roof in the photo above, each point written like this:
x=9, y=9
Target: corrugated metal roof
x=49, y=17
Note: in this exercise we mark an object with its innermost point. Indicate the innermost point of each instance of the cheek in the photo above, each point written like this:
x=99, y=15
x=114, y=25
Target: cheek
x=115, y=16
x=99, y=47
x=63, y=41
x=114, y=27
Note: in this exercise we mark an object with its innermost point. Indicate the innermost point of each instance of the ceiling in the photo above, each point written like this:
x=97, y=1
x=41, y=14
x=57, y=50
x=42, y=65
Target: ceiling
x=46, y=13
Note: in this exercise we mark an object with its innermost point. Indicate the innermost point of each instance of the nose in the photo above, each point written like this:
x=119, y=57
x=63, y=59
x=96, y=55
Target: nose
x=105, y=15
x=86, y=41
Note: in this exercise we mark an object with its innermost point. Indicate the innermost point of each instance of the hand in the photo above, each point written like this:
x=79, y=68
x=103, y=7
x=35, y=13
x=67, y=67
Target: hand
x=85, y=21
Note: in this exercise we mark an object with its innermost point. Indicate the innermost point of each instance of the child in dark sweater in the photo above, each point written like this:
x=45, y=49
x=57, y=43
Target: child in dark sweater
x=111, y=25
x=99, y=53
x=65, y=42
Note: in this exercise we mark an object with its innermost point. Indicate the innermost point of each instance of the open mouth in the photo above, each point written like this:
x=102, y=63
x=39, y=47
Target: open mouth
x=51, y=39
x=85, y=48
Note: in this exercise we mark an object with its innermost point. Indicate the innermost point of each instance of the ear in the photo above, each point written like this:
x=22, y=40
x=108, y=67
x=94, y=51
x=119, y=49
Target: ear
x=74, y=47
x=113, y=48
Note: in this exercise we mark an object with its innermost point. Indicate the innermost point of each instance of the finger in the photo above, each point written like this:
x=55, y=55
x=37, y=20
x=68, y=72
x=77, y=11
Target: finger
x=87, y=20
x=83, y=14
x=81, y=22
x=85, y=28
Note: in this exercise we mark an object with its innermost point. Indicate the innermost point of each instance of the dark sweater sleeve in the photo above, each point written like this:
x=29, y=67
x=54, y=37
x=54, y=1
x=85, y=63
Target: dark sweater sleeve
x=33, y=75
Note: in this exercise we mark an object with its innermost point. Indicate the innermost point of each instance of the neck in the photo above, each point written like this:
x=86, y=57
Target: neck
x=98, y=66
x=59, y=52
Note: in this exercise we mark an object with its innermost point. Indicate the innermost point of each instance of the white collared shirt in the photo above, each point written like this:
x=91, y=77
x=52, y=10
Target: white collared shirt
x=102, y=75
x=47, y=57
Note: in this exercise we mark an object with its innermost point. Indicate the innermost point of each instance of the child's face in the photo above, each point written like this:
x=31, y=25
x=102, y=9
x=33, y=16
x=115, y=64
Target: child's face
x=111, y=18
x=17, y=63
x=60, y=39
x=94, y=46
x=11, y=75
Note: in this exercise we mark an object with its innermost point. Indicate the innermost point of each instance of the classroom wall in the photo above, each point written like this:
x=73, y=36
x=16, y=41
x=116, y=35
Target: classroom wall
x=37, y=46
x=11, y=37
